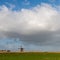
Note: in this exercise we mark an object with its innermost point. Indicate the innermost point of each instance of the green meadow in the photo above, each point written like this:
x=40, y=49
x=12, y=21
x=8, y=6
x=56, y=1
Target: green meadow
x=30, y=56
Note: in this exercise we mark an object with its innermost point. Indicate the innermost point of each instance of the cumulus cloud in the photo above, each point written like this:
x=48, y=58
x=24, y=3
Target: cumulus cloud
x=39, y=25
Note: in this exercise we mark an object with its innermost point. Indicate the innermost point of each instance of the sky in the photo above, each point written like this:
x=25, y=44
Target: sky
x=32, y=24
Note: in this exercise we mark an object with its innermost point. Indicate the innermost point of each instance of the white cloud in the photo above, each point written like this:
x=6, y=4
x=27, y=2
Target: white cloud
x=40, y=25
x=10, y=5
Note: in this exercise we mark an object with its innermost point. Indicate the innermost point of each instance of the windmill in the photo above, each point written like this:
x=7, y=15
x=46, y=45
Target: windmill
x=21, y=49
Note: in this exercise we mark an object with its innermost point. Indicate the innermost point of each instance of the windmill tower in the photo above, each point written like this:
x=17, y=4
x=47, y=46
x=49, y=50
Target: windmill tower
x=21, y=49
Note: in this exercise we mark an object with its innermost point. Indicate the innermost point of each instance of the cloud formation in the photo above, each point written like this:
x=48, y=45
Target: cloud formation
x=39, y=25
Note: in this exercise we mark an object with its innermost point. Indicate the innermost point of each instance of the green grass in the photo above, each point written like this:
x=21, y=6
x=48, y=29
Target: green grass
x=30, y=56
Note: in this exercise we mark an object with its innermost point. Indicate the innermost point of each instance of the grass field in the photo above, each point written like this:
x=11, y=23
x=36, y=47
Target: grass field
x=30, y=56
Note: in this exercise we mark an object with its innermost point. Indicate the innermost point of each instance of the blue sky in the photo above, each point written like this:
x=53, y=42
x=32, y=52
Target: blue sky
x=22, y=24
x=19, y=4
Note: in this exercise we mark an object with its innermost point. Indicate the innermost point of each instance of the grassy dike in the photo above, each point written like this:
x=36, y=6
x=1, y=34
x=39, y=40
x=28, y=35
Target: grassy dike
x=30, y=56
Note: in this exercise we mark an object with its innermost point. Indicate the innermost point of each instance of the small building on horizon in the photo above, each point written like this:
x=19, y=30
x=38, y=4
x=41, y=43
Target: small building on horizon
x=4, y=51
